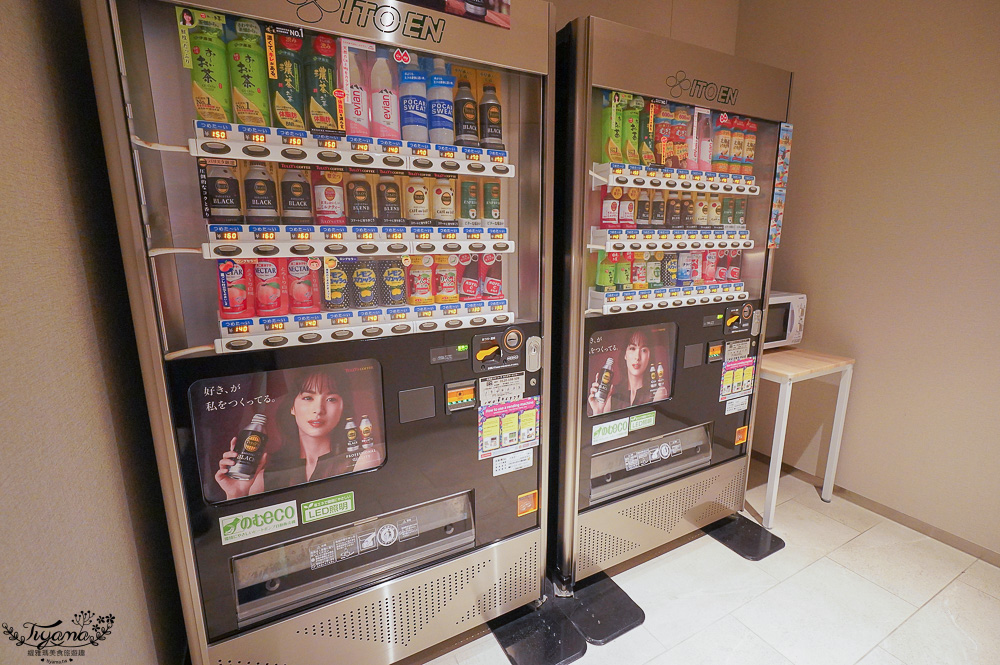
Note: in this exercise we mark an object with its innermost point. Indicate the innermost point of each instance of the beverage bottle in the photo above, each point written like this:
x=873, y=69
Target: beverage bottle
x=709, y=264
x=490, y=119
x=385, y=99
x=606, y=269
x=673, y=209
x=248, y=75
x=224, y=201
x=261, y=198
x=654, y=270
x=392, y=289
x=440, y=107
x=303, y=286
x=418, y=209
x=658, y=209
x=701, y=210
x=468, y=198
x=210, y=75
x=652, y=378
x=336, y=275
x=420, y=280
x=287, y=98
x=491, y=200
x=466, y=116
x=623, y=269
x=469, y=287
x=491, y=276
x=413, y=102
x=646, y=124
x=749, y=146
x=714, y=210
x=296, y=196
x=684, y=269
x=660, y=378
x=250, y=444
x=357, y=98
x=387, y=200
x=359, y=199
x=727, y=210
x=704, y=141
x=663, y=147
x=680, y=126
x=362, y=285
x=668, y=269
x=353, y=442
x=735, y=261
x=740, y=211
x=270, y=286
x=235, y=284
x=722, y=266
x=604, y=378
x=445, y=279
x=321, y=82
x=475, y=8
x=721, y=142
x=737, y=137
x=443, y=201
x=687, y=209
x=611, y=127
x=328, y=197
x=642, y=211
x=367, y=434
x=638, y=277
x=609, y=207
x=630, y=116
x=626, y=209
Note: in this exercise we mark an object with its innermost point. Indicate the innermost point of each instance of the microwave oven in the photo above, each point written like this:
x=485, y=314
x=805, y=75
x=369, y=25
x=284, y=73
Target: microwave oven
x=786, y=316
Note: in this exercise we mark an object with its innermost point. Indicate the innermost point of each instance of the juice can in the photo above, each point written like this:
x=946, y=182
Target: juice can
x=287, y=99
x=209, y=73
x=491, y=200
x=270, y=285
x=491, y=276
x=445, y=278
x=248, y=75
x=420, y=280
x=236, y=298
x=468, y=198
x=336, y=275
x=391, y=289
x=303, y=285
x=361, y=288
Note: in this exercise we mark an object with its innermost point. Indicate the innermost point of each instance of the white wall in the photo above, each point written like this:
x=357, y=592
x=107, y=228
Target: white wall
x=891, y=228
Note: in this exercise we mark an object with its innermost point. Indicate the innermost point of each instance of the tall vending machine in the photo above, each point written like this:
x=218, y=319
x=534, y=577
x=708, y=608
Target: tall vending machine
x=335, y=220
x=670, y=161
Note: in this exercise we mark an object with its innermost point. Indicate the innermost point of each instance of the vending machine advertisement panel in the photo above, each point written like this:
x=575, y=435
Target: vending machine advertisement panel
x=336, y=227
x=669, y=183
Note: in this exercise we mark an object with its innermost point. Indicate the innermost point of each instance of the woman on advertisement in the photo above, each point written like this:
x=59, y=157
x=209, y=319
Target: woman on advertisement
x=641, y=384
x=314, y=440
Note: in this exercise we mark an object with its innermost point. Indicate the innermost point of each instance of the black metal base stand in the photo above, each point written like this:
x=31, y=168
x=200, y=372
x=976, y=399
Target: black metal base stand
x=557, y=632
x=745, y=537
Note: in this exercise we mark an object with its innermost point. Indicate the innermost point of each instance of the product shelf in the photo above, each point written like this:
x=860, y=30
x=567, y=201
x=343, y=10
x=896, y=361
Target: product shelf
x=626, y=301
x=267, y=144
x=670, y=239
x=254, y=333
x=251, y=240
x=681, y=180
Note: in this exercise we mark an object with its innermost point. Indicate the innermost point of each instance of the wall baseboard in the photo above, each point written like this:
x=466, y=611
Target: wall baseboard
x=929, y=530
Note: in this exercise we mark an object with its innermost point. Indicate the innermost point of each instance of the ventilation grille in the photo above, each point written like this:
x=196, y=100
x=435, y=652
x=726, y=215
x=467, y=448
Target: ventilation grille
x=729, y=501
x=520, y=579
x=596, y=547
x=664, y=512
x=400, y=617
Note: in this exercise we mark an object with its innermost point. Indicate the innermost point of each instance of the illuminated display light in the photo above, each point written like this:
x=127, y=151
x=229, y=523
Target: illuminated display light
x=448, y=154
x=293, y=140
x=426, y=315
x=475, y=309
x=473, y=236
x=309, y=324
x=370, y=318
x=394, y=236
x=363, y=147
x=449, y=236
x=227, y=235
x=618, y=171
x=274, y=326
x=343, y=321
x=392, y=149
x=399, y=316
x=629, y=297
x=216, y=134
x=420, y=152
x=612, y=298
x=256, y=138
x=449, y=310
x=300, y=235
x=497, y=308
x=264, y=235
x=472, y=156
x=337, y=235
x=495, y=158
x=423, y=236
x=365, y=235
x=496, y=236
x=239, y=330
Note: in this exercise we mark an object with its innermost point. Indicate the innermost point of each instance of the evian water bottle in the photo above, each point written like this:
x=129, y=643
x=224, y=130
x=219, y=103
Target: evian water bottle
x=385, y=100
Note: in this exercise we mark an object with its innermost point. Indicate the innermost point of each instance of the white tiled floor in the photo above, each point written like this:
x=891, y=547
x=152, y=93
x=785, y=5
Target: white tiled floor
x=849, y=587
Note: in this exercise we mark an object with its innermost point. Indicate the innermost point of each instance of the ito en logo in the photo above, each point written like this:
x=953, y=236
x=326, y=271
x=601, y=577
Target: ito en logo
x=680, y=84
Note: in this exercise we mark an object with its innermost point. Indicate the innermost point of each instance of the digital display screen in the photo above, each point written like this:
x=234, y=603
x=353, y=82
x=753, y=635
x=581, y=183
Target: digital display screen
x=629, y=367
x=216, y=134
x=328, y=144
x=497, y=158
x=227, y=235
x=392, y=149
x=420, y=152
x=473, y=156
x=254, y=432
x=270, y=327
x=313, y=323
x=300, y=235
x=239, y=330
x=264, y=235
x=256, y=138
x=363, y=147
x=293, y=140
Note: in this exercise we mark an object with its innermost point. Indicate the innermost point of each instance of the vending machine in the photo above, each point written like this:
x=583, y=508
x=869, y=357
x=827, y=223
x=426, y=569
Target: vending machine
x=335, y=220
x=670, y=160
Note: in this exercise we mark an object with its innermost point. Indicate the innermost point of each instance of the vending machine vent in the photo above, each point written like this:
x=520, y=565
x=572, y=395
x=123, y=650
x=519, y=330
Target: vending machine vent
x=596, y=547
x=521, y=579
x=400, y=617
x=664, y=512
x=729, y=500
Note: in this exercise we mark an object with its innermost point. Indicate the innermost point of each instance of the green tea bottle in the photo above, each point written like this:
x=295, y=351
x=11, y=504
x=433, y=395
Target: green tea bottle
x=209, y=75
x=286, y=90
x=321, y=82
x=248, y=74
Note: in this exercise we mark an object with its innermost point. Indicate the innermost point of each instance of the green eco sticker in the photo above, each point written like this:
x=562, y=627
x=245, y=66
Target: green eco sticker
x=331, y=506
x=642, y=421
x=609, y=431
x=255, y=523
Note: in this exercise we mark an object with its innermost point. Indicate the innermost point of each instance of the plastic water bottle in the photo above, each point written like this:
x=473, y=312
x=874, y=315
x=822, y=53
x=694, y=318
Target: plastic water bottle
x=440, y=105
x=413, y=102
x=385, y=101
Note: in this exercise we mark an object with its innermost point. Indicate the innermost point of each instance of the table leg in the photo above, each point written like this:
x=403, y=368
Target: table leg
x=838, y=432
x=777, y=449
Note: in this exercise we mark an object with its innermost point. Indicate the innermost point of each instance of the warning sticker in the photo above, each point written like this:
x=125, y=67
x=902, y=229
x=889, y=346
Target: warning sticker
x=501, y=389
x=737, y=405
x=367, y=541
x=521, y=459
x=737, y=350
x=408, y=528
x=322, y=555
x=346, y=547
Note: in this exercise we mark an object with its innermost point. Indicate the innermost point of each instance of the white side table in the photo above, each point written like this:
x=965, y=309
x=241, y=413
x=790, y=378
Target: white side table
x=787, y=367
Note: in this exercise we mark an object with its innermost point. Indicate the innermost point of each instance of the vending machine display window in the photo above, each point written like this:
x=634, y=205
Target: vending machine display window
x=630, y=367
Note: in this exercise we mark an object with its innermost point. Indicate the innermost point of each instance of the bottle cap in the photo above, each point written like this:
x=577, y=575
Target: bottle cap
x=489, y=88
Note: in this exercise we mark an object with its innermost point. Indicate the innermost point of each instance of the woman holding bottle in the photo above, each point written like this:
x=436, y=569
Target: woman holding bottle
x=634, y=387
